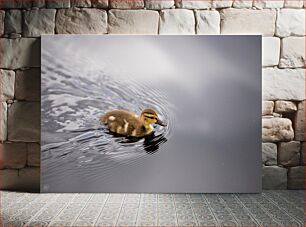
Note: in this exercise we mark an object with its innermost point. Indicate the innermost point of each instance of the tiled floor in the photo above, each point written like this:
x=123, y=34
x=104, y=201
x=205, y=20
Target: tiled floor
x=271, y=208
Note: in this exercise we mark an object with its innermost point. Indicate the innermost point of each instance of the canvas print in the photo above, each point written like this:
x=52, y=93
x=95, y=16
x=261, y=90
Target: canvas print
x=164, y=114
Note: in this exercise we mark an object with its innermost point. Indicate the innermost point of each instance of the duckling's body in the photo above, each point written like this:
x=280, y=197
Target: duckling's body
x=127, y=123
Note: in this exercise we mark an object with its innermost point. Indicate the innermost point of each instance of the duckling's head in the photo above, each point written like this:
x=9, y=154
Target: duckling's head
x=149, y=116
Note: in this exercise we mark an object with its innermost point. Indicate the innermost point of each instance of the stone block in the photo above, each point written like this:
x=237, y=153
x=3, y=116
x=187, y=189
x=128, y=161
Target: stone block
x=282, y=106
x=262, y=4
x=270, y=51
x=16, y=4
x=20, y=53
x=33, y=154
x=221, y=3
x=126, y=4
x=285, y=106
x=248, y=21
x=242, y=4
x=13, y=22
x=293, y=52
x=290, y=22
x=267, y=108
x=26, y=179
x=269, y=154
x=81, y=21
x=283, y=84
x=56, y=4
x=289, y=153
x=38, y=3
x=296, y=177
x=99, y=3
x=274, y=177
x=2, y=15
x=159, y=4
x=3, y=121
x=177, y=21
x=277, y=129
x=133, y=22
x=27, y=85
x=13, y=155
x=299, y=122
x=191, y=4
x=39, y=22
x=303, y=160
x=80, y=3
x=293, y=4
x=24, y=122
x=208, y=22
x=9, y=179
x=7, y=81
x=30, y=177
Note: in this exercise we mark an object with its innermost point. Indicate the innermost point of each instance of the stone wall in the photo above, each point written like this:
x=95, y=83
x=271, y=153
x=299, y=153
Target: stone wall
x=281, y=22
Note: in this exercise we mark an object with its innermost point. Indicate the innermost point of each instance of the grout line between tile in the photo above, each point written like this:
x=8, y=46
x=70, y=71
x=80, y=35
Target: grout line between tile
x=138, y=210
x=213, y=214
x=41, y=210
x=81, y=210
x=101, y=211
x=229, y=210
x=194, y=215
x=249, y=211
x=122, y=201
x=273, y=202
x=64, y=207
x=175, y=209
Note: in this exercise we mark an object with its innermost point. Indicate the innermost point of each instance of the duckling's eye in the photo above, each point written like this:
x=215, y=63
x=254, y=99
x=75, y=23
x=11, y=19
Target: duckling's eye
x=151, y=117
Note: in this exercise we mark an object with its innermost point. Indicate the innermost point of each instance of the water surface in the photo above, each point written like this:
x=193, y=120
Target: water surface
x=208, y=92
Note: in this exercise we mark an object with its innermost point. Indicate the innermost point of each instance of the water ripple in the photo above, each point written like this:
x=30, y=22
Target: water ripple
x=72, y=103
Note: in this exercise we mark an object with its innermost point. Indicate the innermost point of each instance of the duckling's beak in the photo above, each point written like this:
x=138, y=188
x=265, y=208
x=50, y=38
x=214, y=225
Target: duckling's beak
x=159, y=122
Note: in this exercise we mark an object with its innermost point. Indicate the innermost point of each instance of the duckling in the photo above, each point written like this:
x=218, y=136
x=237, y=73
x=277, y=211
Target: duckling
x=127, y=123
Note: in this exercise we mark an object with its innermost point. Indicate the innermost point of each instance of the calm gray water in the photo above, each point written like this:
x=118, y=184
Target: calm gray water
x=206, y=88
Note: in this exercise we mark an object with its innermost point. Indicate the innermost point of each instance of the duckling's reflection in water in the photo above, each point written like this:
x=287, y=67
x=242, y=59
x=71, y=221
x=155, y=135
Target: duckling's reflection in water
x=151, y=142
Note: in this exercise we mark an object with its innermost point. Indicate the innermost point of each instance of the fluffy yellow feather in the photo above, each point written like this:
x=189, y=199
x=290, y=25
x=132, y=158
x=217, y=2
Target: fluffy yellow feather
x=127, y=123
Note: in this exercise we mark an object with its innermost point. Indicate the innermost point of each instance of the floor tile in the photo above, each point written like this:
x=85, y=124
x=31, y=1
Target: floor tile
x=270, y=208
